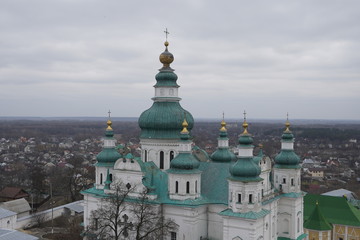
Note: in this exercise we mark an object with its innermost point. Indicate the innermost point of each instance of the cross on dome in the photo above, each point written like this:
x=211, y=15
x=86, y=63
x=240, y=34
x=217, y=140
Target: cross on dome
x=166, y=33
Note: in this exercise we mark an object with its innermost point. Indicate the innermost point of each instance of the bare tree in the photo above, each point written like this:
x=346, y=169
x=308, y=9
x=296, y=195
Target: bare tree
x=149, y=220
x=123, y=217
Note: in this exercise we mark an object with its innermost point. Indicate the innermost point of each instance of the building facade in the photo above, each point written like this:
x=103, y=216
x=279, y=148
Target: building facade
x=228, y=196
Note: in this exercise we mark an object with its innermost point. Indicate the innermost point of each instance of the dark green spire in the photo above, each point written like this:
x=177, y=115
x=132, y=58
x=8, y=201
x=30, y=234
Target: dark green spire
x=317, y=221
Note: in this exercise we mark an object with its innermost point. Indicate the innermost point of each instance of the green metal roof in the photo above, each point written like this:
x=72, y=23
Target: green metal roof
x=223, y=155
x=245, y=169
x=163, y=120
x=104, y=164
x=108, y=155
x=166, y=79
x=287, y=157
x=316, y=221
x=336, y=210
x=287, y=136
x=245, y=139
x=247, y=215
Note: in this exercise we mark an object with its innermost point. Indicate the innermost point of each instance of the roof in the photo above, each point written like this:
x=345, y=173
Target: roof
x=336, y=210
x=316, y=221
x=76, y=206
x=340, y=193
x=18, y=205
x=7, y=234
x=163, y=120
x=6, y=213
x=287, y=157
x=247, y=215
x=302, y=236
x=13, y=192
x=223, y=155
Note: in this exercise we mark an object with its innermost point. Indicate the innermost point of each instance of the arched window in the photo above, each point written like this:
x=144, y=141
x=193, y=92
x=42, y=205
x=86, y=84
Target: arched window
x=145, y=156
x=176, y=187
x=187, y=187
x=195, y=186
x=101, y=178
x=161, y=160
x=111, y=177
x=171, y=155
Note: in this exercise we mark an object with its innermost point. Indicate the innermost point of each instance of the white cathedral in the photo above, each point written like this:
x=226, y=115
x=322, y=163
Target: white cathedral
x=228, y=196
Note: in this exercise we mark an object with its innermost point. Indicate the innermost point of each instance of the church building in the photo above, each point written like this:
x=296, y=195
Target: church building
x=229, y=196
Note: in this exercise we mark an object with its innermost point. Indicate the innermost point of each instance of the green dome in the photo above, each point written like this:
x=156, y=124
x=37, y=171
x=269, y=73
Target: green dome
x=184, y=161
x=164, y=120
x=287, y=135
x=223, y=155
x=166, y=79
x=108, y=155
x=287, y=157
x=245, y=139
x=245, y=169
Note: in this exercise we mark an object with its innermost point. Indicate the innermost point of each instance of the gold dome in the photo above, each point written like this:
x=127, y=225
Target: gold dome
x=109, y=123
x=166, y=57
x=223, y=126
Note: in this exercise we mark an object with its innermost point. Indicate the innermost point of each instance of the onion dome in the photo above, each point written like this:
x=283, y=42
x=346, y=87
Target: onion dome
x=260, y=155
x=223, y=154
x=287, y=158
x=245, y=169
x=184, y=160
x=163, y=119
x=109, y=154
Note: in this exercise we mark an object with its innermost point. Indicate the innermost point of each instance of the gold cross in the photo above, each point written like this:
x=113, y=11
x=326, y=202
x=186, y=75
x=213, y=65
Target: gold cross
x=109, y=113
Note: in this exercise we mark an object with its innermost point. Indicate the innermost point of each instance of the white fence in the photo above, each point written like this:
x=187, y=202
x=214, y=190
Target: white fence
x=28, y=221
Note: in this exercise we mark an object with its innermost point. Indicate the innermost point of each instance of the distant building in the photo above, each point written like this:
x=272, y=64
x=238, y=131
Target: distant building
x=20, y=206
x=316, y=172
x=12, y=193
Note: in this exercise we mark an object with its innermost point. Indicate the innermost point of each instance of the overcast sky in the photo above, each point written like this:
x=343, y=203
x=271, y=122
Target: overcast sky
x=83, y=57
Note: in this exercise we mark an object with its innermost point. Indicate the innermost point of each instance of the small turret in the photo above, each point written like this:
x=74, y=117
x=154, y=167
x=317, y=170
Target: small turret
x=287, y=158
x=184, y=160
x=184, y=175
x=245, y=168
x=223, y=154
x=109, y=154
